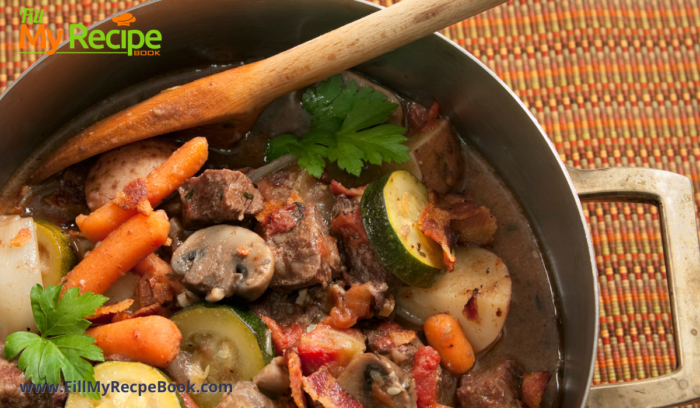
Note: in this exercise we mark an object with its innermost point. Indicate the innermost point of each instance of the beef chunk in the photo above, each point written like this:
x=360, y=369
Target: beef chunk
x=306, y=307
x=11, y=396
x=497, y=387
x=305, y=253
x=363, y=264
x=218, y=196
x=245, y=394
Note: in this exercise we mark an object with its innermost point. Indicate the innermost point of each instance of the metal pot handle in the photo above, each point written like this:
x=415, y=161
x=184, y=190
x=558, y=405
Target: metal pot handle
x=673, y=194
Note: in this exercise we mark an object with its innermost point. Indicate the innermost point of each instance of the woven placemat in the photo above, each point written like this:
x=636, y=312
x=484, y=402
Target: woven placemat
x=613, y=83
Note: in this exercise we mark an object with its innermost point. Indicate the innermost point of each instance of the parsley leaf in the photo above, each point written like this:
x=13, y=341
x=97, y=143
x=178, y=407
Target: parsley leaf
x=346, y=127
x=62, y=346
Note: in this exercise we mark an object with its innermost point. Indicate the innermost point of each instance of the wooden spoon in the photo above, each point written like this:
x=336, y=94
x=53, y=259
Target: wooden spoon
x=238, y=96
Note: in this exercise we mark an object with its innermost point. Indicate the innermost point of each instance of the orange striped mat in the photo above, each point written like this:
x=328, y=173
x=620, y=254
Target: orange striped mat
x=613, y=83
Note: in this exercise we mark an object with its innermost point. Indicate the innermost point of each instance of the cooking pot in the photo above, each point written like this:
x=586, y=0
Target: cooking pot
x=58, y=88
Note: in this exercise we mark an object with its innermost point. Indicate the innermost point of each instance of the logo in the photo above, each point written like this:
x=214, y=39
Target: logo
x=131, y=42
x=124, y=19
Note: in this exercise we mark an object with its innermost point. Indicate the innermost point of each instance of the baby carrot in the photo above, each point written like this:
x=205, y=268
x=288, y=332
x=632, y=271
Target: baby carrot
x=132, y=241
x=160, y=183
x=445, y=335
x=152, y=340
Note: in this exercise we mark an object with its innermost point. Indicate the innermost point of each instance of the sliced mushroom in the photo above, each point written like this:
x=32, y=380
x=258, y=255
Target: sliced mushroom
x=376, y=382
x=397, y=117
x=223, y=261
x=273, y=379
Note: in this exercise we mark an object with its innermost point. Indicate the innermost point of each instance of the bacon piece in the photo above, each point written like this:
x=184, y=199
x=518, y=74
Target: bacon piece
x=152, y=310
x=476, y=230
x=22, y=238
x=295, y=378
x=423, y=119
x=106, y=312
x=294, y=197
x=144, y=207
x=388, y=336
x=279, y=221
x=352, y=306
x=459, y=205
x=338, y=189
x=431, y=119
x=471, y=308
x=425, y=375
x=534, y=386
x=143, y=289
x=474, y=224
x=176, y=287
x=401, y=336
x=156, y=284
x=160, y=289
x=435, y=223
x=330, y=347
x=284, y=338
x=324, y=388
x=134, y=195
x=268, y=208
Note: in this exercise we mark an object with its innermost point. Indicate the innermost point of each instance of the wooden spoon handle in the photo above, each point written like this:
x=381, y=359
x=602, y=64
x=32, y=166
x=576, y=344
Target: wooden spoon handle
x=365, y=39
x=238, y=96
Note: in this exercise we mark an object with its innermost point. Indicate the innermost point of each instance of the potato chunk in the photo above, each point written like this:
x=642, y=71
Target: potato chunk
x=477, y=293
x=117, y=167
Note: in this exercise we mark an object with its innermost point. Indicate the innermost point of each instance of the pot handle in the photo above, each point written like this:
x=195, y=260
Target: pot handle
x=673, y=194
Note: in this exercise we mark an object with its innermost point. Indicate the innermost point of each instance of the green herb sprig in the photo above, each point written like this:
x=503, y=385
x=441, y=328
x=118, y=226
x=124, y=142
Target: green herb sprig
x=62, y=345
x=346, y=127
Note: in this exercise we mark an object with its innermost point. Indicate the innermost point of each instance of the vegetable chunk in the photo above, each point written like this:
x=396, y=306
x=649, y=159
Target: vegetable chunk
x=332, y=348
x=124, y=248
x=477, y=293
x=19, y=272
x=129, y=373
x=446, y=336
x=117, y=167
x=152, y=340
x=391, y=207
x=160, y=183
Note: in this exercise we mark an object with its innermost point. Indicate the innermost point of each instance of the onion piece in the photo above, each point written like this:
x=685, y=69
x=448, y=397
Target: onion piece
x=277, y=164
x=19, y=272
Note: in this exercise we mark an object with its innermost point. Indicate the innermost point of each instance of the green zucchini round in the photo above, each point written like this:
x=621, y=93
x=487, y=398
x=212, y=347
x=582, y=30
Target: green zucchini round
x=390, y=209
x=226, y=343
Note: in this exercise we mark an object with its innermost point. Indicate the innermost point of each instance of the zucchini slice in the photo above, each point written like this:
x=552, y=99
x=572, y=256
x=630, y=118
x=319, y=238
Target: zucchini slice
x=56, y=255
x=221, y=344
x=129, y=373
x=390, y=209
